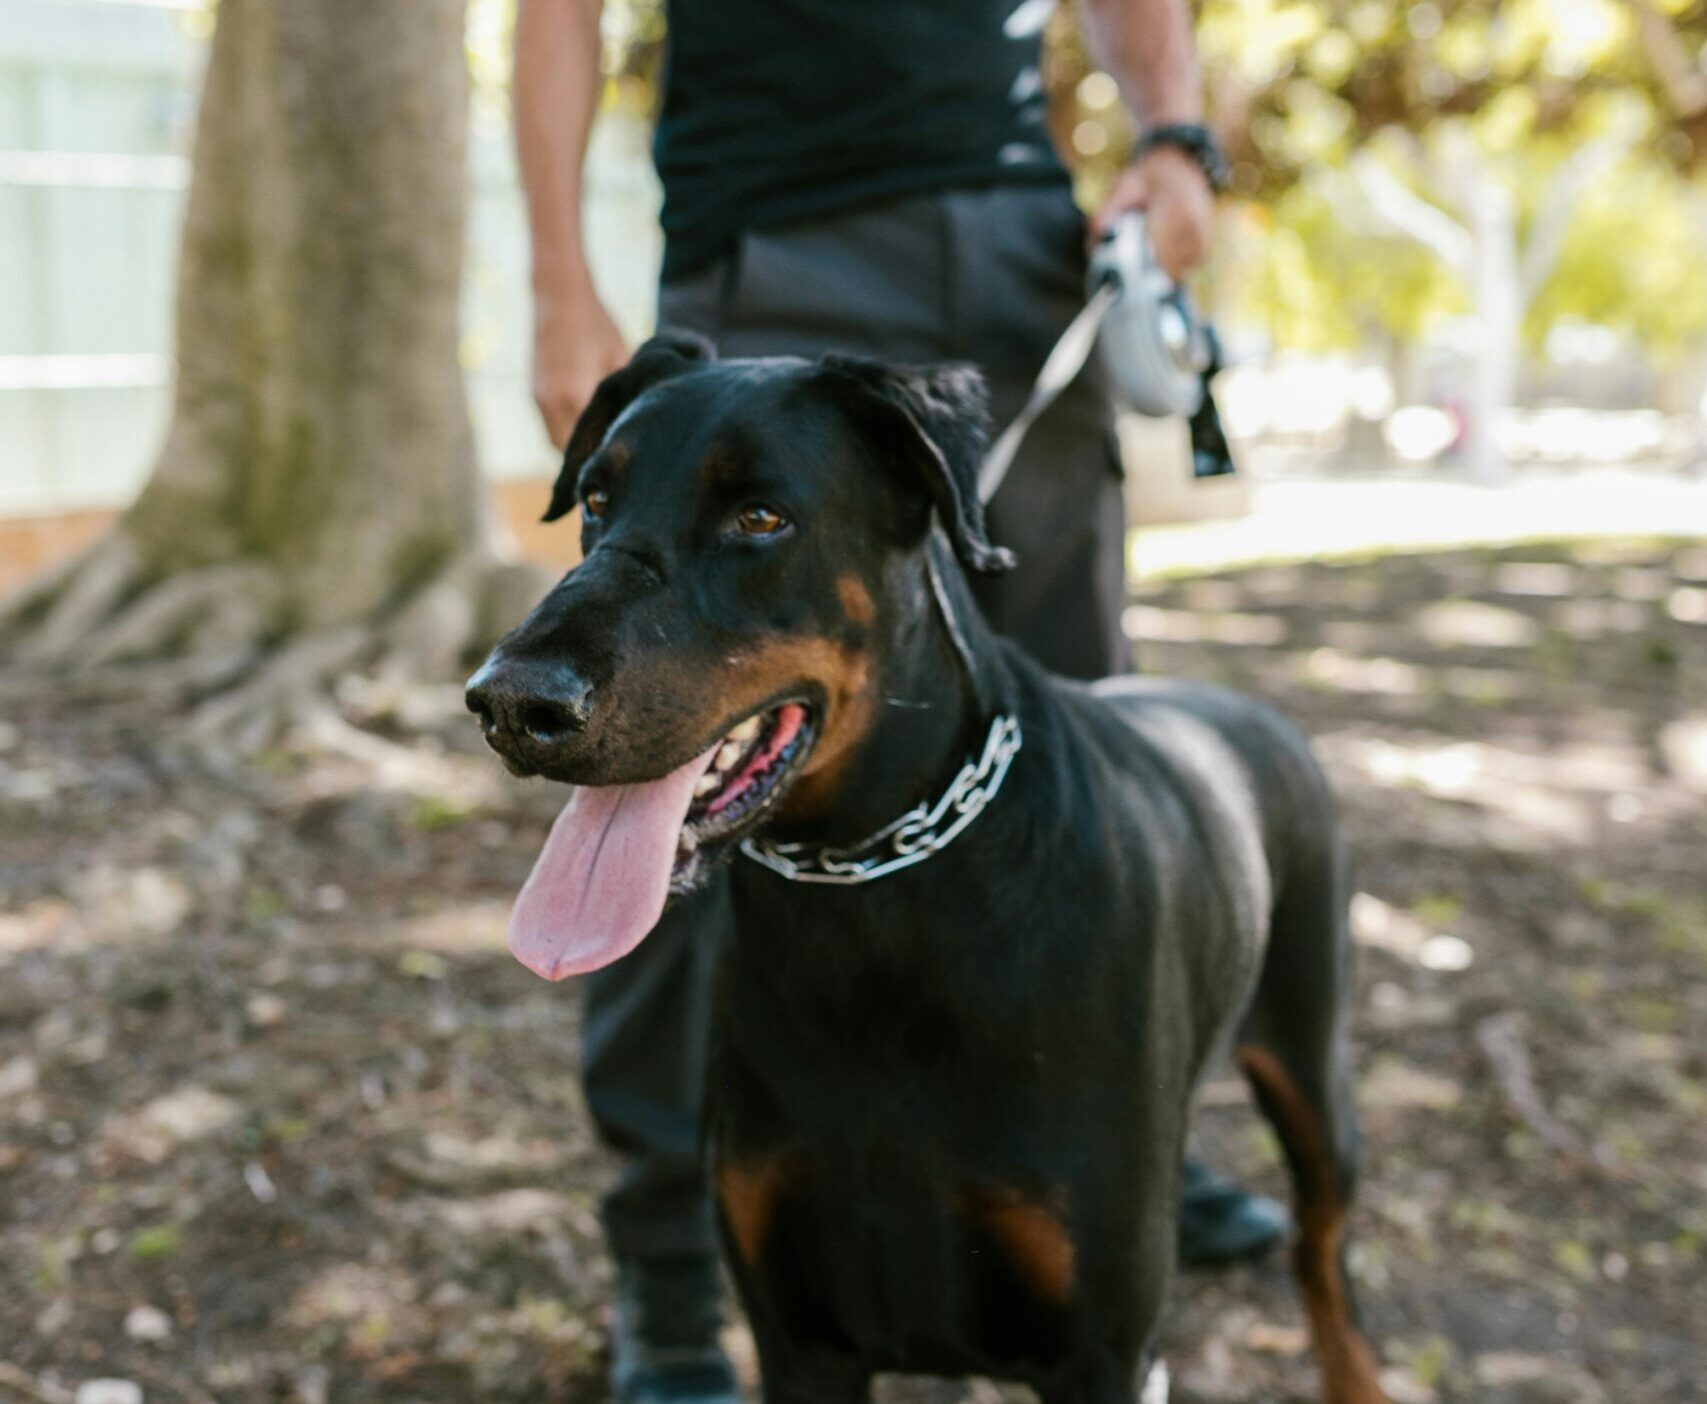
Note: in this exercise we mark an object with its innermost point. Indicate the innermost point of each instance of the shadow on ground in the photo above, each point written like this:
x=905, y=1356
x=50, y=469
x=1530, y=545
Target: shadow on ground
x=279, y=1121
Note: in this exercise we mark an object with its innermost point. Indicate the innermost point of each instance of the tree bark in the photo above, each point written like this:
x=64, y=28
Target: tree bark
x=317, y=496
x=320, y=425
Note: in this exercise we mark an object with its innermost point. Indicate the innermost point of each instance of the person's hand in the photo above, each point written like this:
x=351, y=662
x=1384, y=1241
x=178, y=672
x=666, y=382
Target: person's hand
x=1176, y=199
x=575, y=346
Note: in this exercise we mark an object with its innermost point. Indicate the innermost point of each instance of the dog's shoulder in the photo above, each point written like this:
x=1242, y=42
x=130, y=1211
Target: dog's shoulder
x=1199, y=732
x=1138, y=699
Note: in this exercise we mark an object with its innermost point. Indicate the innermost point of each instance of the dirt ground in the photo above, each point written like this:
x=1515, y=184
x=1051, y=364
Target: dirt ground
x=280, y=1120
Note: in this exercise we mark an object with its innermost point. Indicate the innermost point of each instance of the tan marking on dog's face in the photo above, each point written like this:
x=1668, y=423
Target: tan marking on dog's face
x=721, y=466
x=748, y=1194
x=1350, y=1374
x=1033, y=1234
x=618, y=454
x=857, y=603
x=843, y=674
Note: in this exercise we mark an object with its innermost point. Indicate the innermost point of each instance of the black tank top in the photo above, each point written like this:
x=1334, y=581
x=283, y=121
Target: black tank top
x=779, y=110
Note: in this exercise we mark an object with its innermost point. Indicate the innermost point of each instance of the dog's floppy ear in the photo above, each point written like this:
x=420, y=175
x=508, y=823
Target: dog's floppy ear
x=668, y=354
x=935, y=422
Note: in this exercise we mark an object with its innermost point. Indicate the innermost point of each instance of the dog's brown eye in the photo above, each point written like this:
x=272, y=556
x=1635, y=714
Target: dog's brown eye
x=597, y=500
x=759, y=520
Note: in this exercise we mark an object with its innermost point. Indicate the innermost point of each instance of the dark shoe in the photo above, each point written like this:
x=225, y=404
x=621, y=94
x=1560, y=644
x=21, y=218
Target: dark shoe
x=1221, y=1224
x=664, y=1346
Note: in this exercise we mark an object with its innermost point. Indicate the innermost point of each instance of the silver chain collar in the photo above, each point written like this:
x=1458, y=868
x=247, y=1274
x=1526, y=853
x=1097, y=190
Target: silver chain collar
x=914, y=837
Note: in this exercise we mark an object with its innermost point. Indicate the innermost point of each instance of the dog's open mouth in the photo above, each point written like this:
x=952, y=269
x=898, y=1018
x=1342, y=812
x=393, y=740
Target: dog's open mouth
x=618, y=852
x=748, y=772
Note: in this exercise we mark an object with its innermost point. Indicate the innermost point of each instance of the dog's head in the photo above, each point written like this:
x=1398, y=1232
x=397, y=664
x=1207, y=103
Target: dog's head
x=750, y=530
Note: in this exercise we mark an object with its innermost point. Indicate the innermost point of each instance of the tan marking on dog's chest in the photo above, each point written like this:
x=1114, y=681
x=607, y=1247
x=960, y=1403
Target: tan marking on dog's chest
x=748, y=1193
x=1033, y=1234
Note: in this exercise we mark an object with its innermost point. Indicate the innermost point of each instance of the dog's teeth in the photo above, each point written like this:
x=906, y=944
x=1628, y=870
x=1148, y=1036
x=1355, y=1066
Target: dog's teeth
x=746, y=731
x=727, y=755
x=707, y=785
x=688, y=842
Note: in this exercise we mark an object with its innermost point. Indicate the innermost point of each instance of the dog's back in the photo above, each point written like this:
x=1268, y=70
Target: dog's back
x=1210, y=816
x=1244, y=773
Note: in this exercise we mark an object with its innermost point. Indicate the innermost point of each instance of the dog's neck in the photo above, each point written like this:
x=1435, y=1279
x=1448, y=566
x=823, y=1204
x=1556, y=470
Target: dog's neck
x=937, y=690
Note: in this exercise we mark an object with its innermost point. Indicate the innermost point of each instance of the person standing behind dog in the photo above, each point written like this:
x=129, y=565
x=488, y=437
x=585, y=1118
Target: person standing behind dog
x=872, y=177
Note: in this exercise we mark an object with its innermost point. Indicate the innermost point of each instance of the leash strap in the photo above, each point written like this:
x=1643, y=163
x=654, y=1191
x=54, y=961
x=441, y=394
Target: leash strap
x=1211, y=457
x=1066, y=359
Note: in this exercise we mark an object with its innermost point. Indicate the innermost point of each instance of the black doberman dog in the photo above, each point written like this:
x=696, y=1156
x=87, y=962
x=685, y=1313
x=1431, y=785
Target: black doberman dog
x=953, y=1061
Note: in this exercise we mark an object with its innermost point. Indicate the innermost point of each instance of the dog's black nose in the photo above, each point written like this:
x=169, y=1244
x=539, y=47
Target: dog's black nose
x=527, y=708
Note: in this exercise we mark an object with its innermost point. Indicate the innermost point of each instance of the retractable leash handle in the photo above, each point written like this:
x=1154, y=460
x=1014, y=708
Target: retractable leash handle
x=1158, y=353
x=1154, y=346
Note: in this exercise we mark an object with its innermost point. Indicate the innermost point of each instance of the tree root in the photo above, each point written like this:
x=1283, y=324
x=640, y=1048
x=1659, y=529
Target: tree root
x=1501, y=1039
x=160, y=683
x=207, y=643
x=13, y=1378
x=51, y=622
x=392, y=765
x=281, y=692
x=471, y=604
x=203, y=611
x=431, y=635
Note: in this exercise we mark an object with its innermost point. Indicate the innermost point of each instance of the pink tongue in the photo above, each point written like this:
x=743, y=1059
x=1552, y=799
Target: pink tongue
x=601, y=881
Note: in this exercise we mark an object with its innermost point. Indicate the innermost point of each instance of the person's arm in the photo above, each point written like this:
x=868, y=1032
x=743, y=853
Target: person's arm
x=1147, y=47
x=556, y=94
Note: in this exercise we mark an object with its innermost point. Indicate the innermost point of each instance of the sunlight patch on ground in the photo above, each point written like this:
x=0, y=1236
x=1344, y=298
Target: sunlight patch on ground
x=1393, y=1084
x=1384, y=927
x=109, y=905
x=475, y=927
x=187, y=1114
x=1323, y=519
x=1688, y=606
x=1684, y=744
x=1539, y=578
x=1350, y=673
x=1473, y=624
x=39, y=926
x=1145, y=622
x=1517, y=798
x=1594, y=619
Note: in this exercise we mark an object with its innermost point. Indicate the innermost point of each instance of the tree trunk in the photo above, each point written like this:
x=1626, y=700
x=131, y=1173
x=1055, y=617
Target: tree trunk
x=320, y=425
x=317, y=489
x=1499, y=314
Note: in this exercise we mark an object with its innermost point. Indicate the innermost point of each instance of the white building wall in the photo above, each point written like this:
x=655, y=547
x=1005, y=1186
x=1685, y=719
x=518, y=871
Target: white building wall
x=97, y=109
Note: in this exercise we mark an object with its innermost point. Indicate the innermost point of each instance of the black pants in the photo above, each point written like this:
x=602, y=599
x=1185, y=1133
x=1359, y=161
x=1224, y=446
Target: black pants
x=990, y=276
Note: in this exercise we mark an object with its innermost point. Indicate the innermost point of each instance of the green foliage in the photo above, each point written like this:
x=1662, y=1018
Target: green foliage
x=1634, y=260
x=433, y=812
x=159, y=1241
x=1297, y=81
x=1316, y=282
